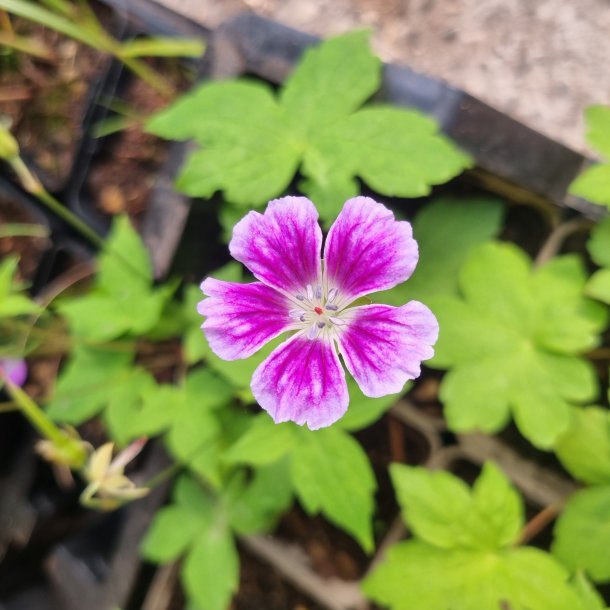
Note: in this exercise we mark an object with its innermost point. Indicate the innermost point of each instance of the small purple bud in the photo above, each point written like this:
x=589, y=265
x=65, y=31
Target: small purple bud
x=15, y=369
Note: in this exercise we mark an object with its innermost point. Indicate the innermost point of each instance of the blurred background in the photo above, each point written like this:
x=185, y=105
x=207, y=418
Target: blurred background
x=540, y=61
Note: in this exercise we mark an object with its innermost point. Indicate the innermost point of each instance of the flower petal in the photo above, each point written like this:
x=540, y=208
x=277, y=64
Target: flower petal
x=302, y=381
x=383, y=346
x=367, y=250
x=241, y=318
x=15, y=369
x=282, y=246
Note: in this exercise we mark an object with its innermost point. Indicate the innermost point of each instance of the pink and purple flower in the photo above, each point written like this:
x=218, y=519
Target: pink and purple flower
x=15, y=369
x=366, y=250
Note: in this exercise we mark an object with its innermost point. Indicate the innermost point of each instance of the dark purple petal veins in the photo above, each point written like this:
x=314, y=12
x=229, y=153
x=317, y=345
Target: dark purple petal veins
x=368, y=250
x=383, y=346
x=282, y=246
x=241, y=318
x=302, y=381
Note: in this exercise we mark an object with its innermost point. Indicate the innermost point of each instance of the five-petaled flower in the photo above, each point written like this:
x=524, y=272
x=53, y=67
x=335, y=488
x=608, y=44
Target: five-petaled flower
x=366, y=250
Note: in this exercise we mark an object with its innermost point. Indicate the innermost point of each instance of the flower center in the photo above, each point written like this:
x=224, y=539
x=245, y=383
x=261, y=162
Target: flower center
x=317, y=312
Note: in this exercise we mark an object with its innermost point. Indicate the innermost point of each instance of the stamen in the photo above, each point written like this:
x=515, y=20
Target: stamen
x=309, y=291
x=302, y=318
x=321, y=324
x=300, y=297
x=332, y=293
x=332, y=307
x=318, y=292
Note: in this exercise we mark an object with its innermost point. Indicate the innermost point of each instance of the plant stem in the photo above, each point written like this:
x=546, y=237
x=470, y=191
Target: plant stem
x=539, y=521
x=19, y=229
x=32, y=185
x=147, y=74
x=39, y=419
x=8, y=407
x=558, y=235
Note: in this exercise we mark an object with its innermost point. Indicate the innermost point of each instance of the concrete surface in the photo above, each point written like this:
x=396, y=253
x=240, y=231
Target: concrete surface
x=541, y=61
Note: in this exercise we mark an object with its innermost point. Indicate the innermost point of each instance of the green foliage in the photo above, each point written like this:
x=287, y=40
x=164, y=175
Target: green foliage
x=253, y=142
x=446, y=230
x=12, y=300
x=196, y=525
x=598, y=285
x=594, y=183
x=590, y=598
x=512, y=342
x=123, y=279
x=329, y=471
x=441, y=509
x=82, y=389
x=584, y=449
x=470, y=562
x=582, y=533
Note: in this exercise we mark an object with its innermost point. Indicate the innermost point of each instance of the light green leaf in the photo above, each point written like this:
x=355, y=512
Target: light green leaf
x=599, y=243
x=123, y=412
x=331, y=80
x=582, y=533
x=162, y=46
x=515, y=335
x=12, y=304
x=124, y=262
x=441, y=509
x=598, y=129
x=417, y=575
x=446, y=230
x=100, y=317
x=264, y=443
x=584, y=449
x=248, y=151
x=171, y=533
x=599, y=286
x=124, y=277
x=253, y=142
x=82, y=387
x=433, y=504
x=210, y=573
x=17, y=305
x=175, y=527
x=254, y=507
x=331, y=474
x=590, y=598
x=593, y=184
x=396, y=152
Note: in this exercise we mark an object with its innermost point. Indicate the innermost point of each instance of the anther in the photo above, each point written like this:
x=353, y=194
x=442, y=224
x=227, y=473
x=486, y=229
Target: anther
x=332, y=307
x=321, y=324
x=300, y=297
x=332, y=293
x=309, y=291
x=302, y=318
x=318, y=292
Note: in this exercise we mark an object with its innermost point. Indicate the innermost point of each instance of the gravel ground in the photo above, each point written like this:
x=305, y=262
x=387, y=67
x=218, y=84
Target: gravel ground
x=541, y=61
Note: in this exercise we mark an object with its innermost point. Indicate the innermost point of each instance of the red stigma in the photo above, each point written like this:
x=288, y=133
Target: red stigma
x=318, y=310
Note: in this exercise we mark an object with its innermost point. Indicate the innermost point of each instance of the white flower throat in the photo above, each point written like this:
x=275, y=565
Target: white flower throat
x=319, y=311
